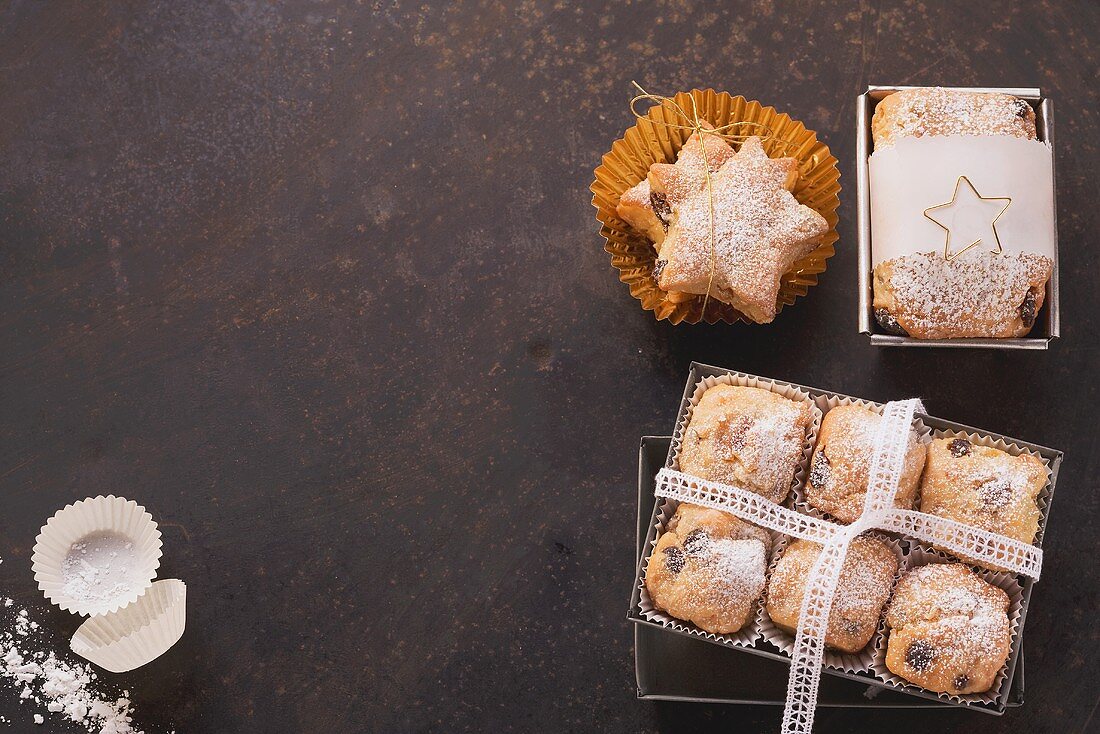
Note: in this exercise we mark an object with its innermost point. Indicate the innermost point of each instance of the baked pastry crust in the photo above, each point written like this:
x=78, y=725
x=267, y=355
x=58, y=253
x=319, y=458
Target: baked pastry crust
x=866, y=579
x=979, y=294
x=984, y=487
x=760, y=230
x=937, y=111
x=949, y=629
x=842, y=459
x=746, y=436
x=650, y=212
x=708, y=568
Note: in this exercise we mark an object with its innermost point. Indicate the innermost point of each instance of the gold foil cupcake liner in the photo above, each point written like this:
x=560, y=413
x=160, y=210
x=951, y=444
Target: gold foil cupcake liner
x=656, y=138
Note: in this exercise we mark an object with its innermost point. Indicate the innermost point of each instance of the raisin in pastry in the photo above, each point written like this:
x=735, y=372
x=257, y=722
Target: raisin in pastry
x=949, y=629
x=842, y=458
x=861, y=593
x=748, y=437
x=708, y=568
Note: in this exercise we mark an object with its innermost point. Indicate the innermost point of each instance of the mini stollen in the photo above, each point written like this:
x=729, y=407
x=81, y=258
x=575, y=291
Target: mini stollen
x=98, y=558
x=879, y=513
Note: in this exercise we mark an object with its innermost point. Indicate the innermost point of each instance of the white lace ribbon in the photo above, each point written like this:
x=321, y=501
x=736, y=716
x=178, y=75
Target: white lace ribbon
x=887, y=460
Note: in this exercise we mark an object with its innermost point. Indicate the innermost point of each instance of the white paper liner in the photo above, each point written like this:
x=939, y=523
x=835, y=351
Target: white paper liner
x=914, y=174
x=138, y=633
x=747, y=636
x=88, y=518
x=920, y=555
x=825, y=403
x=859, y=662
x=740, y=379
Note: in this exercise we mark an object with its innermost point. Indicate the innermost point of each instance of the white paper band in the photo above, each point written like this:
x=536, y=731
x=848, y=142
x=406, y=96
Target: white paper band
x=918, y=173
x=887, y=458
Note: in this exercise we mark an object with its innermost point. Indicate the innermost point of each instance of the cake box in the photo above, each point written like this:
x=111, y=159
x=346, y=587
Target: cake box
x=1006, y=692
x=1046, y=326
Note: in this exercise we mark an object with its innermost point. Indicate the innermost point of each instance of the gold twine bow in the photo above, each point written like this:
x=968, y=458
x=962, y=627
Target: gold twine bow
x=696, y=125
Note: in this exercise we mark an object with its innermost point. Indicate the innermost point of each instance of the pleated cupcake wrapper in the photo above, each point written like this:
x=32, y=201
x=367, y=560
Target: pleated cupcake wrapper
x=859, y=662
x=920, y=555
x=649, y=142
x=90, y=517
x=825, y=403
x=137, y=634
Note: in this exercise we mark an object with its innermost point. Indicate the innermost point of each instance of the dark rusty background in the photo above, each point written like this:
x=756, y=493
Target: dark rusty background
x=319, y=284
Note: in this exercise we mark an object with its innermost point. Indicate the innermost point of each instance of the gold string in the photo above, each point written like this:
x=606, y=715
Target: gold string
x=723, y=132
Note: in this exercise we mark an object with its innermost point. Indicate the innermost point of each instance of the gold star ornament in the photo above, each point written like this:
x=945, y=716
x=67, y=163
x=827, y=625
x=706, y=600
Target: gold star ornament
x=969, y=217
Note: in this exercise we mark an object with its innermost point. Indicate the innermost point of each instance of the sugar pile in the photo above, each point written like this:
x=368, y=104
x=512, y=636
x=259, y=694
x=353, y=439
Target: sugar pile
x=63, y=688
x=99, y=568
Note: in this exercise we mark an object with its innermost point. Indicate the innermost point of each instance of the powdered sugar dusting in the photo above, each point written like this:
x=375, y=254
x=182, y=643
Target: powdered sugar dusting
x=100, y=568
x=936, y=111
x=979, y=294
x=62, y=689
x=760, y=230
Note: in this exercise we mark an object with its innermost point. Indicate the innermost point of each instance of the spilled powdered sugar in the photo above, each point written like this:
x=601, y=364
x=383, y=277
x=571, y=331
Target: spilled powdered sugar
x=59, y=688
x=99, y=568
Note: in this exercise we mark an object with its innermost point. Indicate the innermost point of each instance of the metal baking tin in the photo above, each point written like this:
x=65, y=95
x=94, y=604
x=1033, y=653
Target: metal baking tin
x=650, y=683
x=674, y=667
x=1048, y=328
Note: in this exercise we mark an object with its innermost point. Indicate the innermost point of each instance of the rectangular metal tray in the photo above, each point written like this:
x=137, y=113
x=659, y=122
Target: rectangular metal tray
x=672, y=667
x=765, y=649
x=1046, y=330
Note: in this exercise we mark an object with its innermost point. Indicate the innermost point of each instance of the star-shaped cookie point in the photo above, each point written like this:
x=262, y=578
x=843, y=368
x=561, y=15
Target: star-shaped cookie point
x=969, y=217
x=760, y=230
x=650, y=212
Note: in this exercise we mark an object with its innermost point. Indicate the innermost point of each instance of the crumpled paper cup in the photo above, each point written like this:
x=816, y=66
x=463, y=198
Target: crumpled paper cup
x=96, y=556
x=137, y=634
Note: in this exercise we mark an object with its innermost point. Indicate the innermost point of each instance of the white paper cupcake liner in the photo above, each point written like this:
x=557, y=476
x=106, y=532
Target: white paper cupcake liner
x=859, y=662
x=920, y=555
x=138, y=633
x=116, y=555
x=825, y=403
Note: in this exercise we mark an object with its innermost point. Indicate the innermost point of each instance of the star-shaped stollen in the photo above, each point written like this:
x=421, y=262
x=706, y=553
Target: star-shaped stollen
x=651, y=215
x=969, y=218
x=760, y=230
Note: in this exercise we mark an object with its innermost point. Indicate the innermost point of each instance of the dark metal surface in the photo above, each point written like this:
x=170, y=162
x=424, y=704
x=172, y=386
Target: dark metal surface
x=319, y=284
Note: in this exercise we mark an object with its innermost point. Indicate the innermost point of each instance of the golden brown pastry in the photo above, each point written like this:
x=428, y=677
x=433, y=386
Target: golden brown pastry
x=935, y=111
x=979, y=294
x=650, y=213
x=842, y=458
x=748, y=437
x=862, y=590
x=759, y=231
x=984, y=487
x=708, y=568
x=949, y=629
